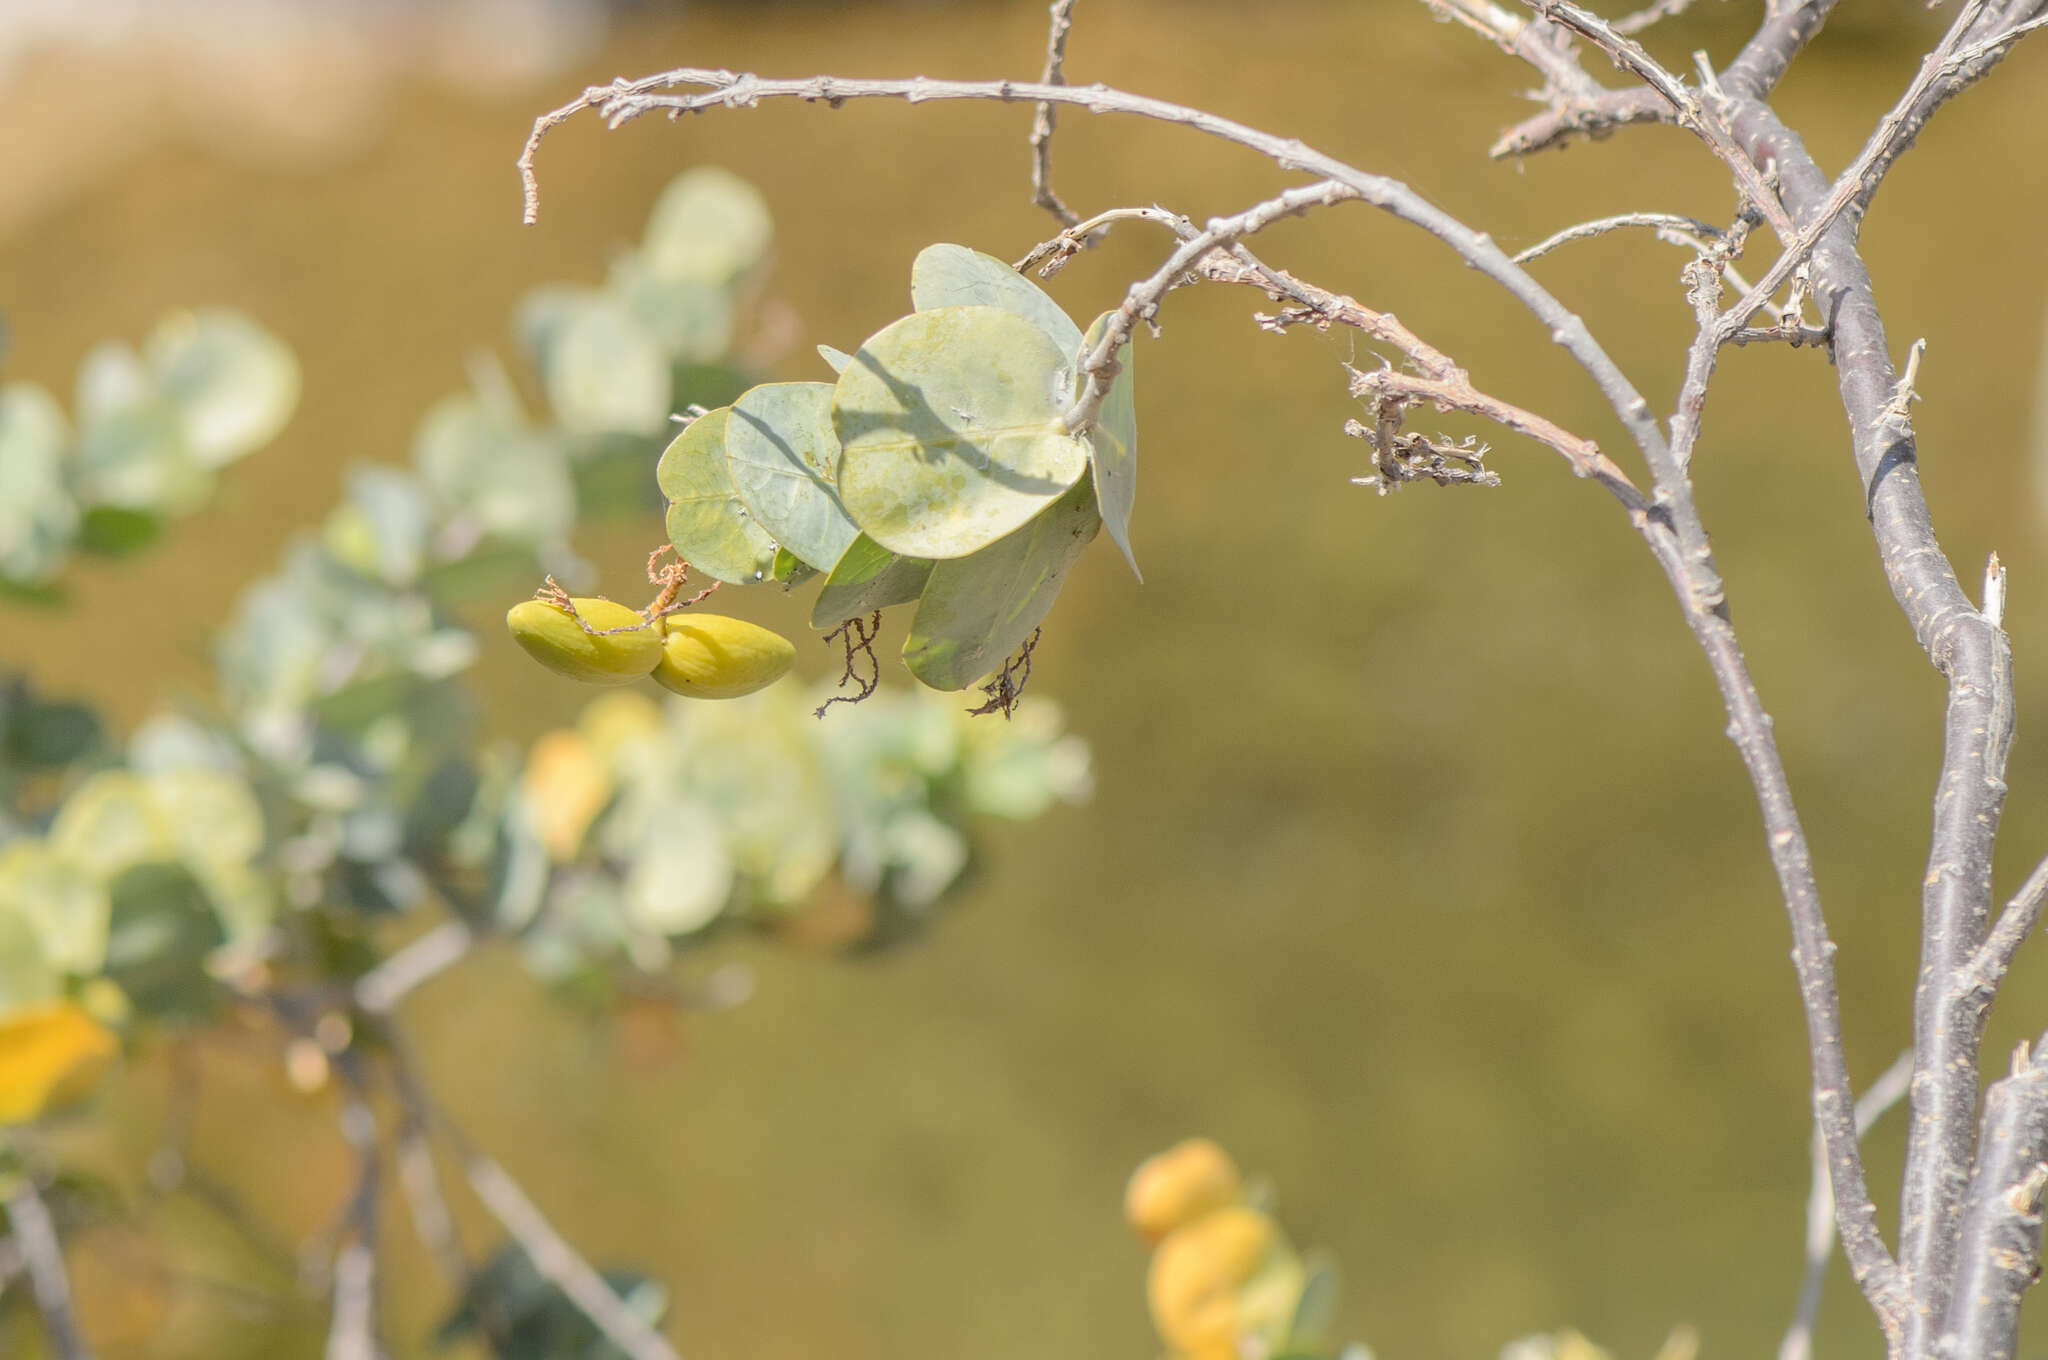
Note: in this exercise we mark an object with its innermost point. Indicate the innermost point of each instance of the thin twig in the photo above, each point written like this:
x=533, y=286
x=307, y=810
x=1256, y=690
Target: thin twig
x=1940, y=78
x=551, y=1255
x=1987, y=967
x=1601, y=226
x=1062, y=18
x=383, y=987
x=1703, y=118
x=35, y=1234
x=1594, y=110
x=1886, y=1091
x=352, y=1327
x=1628, y=25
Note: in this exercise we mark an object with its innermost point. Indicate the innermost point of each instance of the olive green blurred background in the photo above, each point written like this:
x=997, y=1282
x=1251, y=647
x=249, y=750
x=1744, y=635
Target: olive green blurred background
x=1419, y=872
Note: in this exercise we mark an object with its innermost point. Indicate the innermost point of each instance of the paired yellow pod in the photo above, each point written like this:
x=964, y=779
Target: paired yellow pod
x=1178, y=1186
x=710, y=656
x=1219, y=1277
x=598, y=656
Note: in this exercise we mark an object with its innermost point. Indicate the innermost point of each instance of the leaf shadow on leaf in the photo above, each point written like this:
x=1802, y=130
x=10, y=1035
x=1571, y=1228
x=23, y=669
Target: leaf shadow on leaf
x=908, y=395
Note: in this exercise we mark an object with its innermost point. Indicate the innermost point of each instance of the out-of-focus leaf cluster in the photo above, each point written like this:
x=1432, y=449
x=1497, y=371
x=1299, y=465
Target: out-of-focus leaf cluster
x=342, y=778
x=148, y=432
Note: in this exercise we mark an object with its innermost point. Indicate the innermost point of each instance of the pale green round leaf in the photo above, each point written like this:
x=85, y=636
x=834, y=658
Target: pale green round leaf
x=26, y=977
x=510, y=482
x=949, y=428
x=782, y=454
x=110, y=822
x=691, y=319
x=976, y=611
x=707, y=522
x=708, y=226
x=604, y=372
x=212, y=816
x=38, y=517
x=682, y=875
x=66, y=906
x=232, y=383
x=956, y=276
x=867, y=577
x=1114, y=445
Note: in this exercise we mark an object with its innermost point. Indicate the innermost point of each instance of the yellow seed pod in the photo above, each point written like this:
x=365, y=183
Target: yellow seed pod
x=1179, y=1185
x=50, y=1055
x=710, y=656
x=599, y=657
x=1199, y=1274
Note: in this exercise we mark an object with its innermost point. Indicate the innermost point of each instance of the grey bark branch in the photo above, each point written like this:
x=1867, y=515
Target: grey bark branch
x=2000, y=1249
x=1061, y=18
x=1886, y=1091
x=35, y=1235
x=1670, y=526
x=1975, y=657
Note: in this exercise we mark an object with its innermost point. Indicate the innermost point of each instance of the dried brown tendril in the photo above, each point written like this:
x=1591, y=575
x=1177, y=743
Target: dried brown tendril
x=857, y=637
x=1007, y=686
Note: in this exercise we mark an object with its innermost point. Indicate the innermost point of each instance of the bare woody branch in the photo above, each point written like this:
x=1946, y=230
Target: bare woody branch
x=1670, y=527
x=1702, y=117
x=1786, y=30
x=1886, y=1091
x=2000, y=1250
x=1061, y=19
x=1975, y=657
x=34, y=1234
x=352, y=1326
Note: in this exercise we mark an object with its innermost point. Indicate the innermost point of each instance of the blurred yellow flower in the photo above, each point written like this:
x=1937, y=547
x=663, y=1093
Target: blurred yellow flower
x=1178, y=1186
x=1224, y=1275
x=565, y=786
x=50, y=1055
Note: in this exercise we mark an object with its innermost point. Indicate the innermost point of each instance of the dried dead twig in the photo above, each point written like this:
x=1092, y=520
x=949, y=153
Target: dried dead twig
x=1061, y=19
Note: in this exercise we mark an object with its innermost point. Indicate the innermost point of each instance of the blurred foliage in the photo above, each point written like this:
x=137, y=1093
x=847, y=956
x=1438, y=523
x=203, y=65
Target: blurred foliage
x=149, y=431
x=243, y=858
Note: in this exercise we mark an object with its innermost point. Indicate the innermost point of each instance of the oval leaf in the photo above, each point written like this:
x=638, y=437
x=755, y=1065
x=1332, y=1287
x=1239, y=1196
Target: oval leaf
x=1115, y=443
x=949, y=429
x=977, y=610
x=708, y=226
x=868, y=577
x=782, y=456
x=604, y=372
x=955, y=276
x=232, y=383
x=708, y=523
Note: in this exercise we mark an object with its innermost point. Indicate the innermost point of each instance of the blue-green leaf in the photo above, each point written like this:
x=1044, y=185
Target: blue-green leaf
x=977, y=610
x=949, y=424
x=1114, y=444
x=38, y=517
x=708, y=523
x=708, y=226
x=867, y=577
x=232, y=384
x=956, y=276
x=782, y=454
